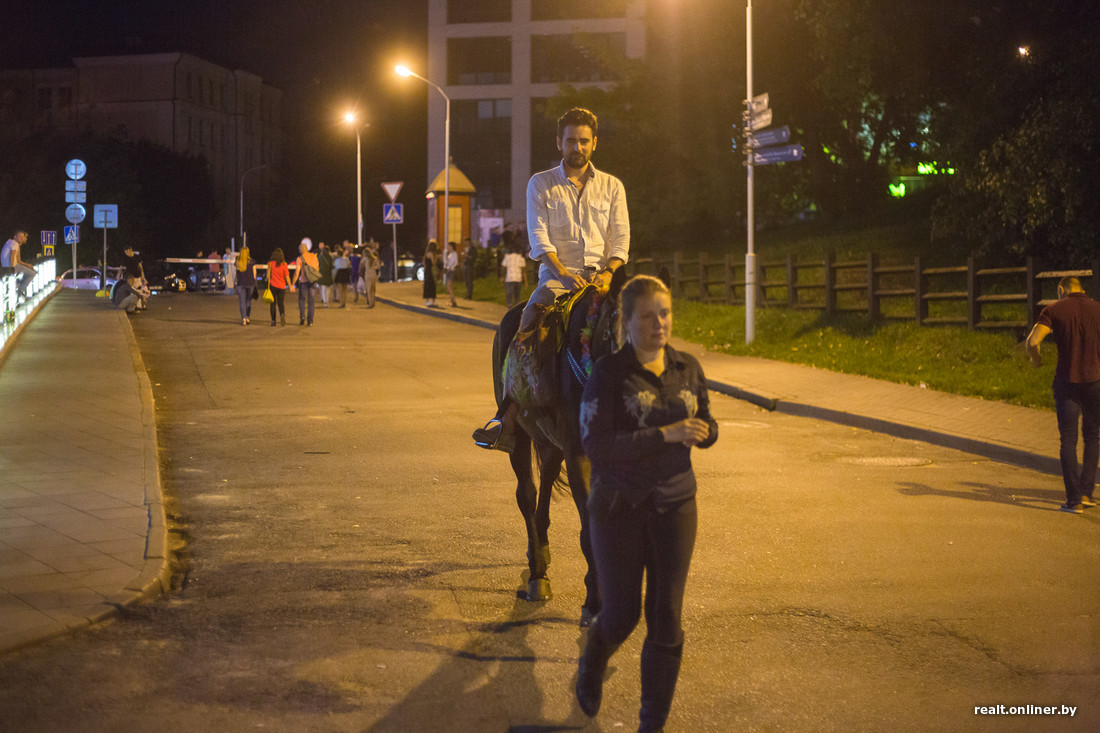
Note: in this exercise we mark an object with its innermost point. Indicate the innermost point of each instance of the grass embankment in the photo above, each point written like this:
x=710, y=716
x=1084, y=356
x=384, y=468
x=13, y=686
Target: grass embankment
x=990, y=365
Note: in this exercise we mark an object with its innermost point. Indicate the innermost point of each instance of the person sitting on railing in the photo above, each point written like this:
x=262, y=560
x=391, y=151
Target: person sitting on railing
x=9, y=257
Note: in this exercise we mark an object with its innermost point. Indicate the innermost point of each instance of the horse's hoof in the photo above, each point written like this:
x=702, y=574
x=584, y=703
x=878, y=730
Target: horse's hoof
x=539, y=590
x=587, y=618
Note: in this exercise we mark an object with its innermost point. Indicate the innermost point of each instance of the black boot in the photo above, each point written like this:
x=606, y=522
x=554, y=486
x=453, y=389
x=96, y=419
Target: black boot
x=660, y=669
x=591, y=670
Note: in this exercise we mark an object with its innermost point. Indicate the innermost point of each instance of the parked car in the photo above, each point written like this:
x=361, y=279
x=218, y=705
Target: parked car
x=87, y=278
x=409, y=267
x=205, y=279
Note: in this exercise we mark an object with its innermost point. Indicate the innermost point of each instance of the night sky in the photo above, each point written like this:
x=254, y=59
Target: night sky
x=327, y=56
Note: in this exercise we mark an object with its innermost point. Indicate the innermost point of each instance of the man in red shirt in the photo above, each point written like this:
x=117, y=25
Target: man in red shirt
x=1075, y=322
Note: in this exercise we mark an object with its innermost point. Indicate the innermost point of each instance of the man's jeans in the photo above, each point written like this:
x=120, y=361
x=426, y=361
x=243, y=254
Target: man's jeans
x=305, y=295
x=1078, y=403
x=26, y=274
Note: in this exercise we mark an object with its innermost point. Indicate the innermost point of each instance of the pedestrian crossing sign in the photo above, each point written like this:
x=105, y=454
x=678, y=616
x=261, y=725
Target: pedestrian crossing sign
x=72, y=235
x=393, y=213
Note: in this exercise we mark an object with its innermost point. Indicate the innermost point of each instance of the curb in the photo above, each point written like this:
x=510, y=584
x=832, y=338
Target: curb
x=975, y=446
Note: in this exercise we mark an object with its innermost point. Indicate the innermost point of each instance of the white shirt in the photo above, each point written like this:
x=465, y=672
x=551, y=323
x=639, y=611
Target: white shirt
x=584, y=228
x=450, y=260
x=513, y=264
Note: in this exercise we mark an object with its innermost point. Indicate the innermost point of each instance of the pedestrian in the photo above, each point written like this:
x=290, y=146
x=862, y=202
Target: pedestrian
x=245, y=279
x=579, y=232
x=305, y=285
x=469, y=264
x=278, y=280
x=124, y=296
x=513, y=271
x=369, y=266
x=341, y=275
x=229, y=258
x=325, y=265
x=450, y=267
x=1075, y=323
x=643, y=409
x=10, y=256
x=431, y=256
x=134, y=272
x=355, y=259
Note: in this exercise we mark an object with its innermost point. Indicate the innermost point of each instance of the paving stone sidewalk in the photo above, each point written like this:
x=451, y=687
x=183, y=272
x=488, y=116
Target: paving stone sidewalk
x=82, y=529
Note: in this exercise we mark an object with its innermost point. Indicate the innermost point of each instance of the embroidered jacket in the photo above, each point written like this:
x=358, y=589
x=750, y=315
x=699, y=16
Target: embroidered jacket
x=622, y=410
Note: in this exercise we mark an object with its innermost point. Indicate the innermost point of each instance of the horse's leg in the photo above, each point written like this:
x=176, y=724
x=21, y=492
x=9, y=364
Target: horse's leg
x=549, y=461
x=579, y=471
x=527, y=498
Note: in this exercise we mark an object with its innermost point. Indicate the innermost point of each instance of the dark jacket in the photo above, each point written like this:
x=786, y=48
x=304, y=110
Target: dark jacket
x=622, y=410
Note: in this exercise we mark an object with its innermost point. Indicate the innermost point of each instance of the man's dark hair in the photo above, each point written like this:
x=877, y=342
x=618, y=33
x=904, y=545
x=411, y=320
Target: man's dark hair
x=578, y=116
x=1070, y=284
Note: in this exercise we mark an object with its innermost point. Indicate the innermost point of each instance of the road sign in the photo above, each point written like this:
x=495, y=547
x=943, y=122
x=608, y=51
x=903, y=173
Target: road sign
x=72, y=235
x=75, y=213
x=760, y=120
x=105, y=216
x=76, y=197
x=48, y=238
x=392, y=189
x=75, y=169
x=393, y=213
x=777, y=136
x=760, y=103
x=782, y=154
x=76, y=185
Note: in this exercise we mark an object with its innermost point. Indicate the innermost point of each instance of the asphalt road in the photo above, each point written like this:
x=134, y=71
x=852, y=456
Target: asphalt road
x=348, y=561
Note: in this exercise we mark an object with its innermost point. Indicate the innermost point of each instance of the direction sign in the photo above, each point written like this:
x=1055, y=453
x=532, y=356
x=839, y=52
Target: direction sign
x=76, y=197
x=777, y=136
x=75, y=213
x=760, y=120
x=48, y=237
x=782, y=154
x=393, y=213
x=760, y=102
x=392, y=189
x=75, y=169
x=105, y=216
x=72, y=235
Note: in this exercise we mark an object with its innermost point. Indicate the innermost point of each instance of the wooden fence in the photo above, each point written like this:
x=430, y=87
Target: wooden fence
x=971, y=295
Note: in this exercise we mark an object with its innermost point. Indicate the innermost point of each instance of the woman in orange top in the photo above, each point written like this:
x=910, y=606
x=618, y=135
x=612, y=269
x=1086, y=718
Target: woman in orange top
x=278, y=279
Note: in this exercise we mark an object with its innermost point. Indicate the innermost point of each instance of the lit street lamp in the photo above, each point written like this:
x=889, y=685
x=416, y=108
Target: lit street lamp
x=404, y=71
x=259, y=167
x=351, y=118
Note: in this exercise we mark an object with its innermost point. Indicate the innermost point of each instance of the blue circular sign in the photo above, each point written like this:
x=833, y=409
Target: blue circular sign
x=75, y=169
x=75, y=214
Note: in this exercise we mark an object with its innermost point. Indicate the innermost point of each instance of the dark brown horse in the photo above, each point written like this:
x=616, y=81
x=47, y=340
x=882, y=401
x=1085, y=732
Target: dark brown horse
x=537, y=471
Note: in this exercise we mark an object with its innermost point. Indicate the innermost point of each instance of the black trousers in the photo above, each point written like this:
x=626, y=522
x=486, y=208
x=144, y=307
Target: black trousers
x=629, y=542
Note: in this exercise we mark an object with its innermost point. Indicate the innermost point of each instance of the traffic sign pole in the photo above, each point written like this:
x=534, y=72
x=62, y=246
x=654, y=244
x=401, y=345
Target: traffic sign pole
x=750, y=254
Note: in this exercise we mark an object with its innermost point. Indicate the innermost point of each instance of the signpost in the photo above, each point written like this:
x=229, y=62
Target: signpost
x=104, y=216
x=75, y=213
x=778, y=136
x=393, y=213
x=782, y=154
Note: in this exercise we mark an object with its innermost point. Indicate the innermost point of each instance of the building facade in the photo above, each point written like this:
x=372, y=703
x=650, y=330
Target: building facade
x=500, y=62
x=229, y=118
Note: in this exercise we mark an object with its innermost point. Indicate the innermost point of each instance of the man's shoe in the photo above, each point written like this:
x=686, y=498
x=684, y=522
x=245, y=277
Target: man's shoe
x=1072, y=508
x=1087, y=502
x=493, y=437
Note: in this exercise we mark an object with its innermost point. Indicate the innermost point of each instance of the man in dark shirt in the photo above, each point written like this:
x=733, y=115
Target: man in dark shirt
x=1075, y=322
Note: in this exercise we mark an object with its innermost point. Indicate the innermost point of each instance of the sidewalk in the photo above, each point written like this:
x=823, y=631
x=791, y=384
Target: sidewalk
x=82, y=528
x=1019, y=435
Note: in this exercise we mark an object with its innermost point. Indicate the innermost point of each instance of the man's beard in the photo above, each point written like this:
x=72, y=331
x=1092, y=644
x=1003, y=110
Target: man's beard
x=576, y=160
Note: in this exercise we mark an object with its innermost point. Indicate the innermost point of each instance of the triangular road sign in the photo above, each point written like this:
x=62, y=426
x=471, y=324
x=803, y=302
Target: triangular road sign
x=392, y=189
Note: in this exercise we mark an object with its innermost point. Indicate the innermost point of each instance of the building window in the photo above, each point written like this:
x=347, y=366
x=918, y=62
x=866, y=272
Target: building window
x=479, y=60
x=580, y=57
x=483, y=11
x=544, y=135
x=481, y=145
x=577, y=9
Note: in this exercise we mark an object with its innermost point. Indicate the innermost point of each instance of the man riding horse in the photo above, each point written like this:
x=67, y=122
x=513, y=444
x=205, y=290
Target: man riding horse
x=579, y=231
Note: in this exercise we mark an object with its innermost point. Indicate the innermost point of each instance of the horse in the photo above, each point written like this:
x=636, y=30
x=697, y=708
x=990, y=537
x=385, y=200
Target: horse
x=550, y=451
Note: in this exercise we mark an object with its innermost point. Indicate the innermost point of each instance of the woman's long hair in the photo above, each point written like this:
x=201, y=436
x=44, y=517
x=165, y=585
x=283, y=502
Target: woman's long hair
x=277, y=256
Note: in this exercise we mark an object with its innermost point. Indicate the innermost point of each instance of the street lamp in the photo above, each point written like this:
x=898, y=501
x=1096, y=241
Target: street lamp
x=259, y=167
x=351, y=118
x=405, y=71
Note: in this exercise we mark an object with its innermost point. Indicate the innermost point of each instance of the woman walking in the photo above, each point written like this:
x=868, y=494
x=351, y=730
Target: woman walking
x=278, y=279
x=450, y=268
x=246, y=283
x=341, y=275
x=643, y=409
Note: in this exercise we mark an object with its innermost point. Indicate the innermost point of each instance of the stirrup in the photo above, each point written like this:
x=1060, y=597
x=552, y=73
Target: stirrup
x=491, y=437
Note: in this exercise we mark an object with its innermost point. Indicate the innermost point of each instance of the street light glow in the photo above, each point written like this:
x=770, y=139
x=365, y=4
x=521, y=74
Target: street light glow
x=1024, y=51
x=349, y=117
x=402, y=70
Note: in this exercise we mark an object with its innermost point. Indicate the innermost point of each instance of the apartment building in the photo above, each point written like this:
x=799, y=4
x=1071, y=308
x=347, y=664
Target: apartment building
x=500, y=62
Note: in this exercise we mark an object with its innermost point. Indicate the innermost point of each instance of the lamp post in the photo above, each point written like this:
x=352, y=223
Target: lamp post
x=259, y=167
x=351, y=118
x=404, y=71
